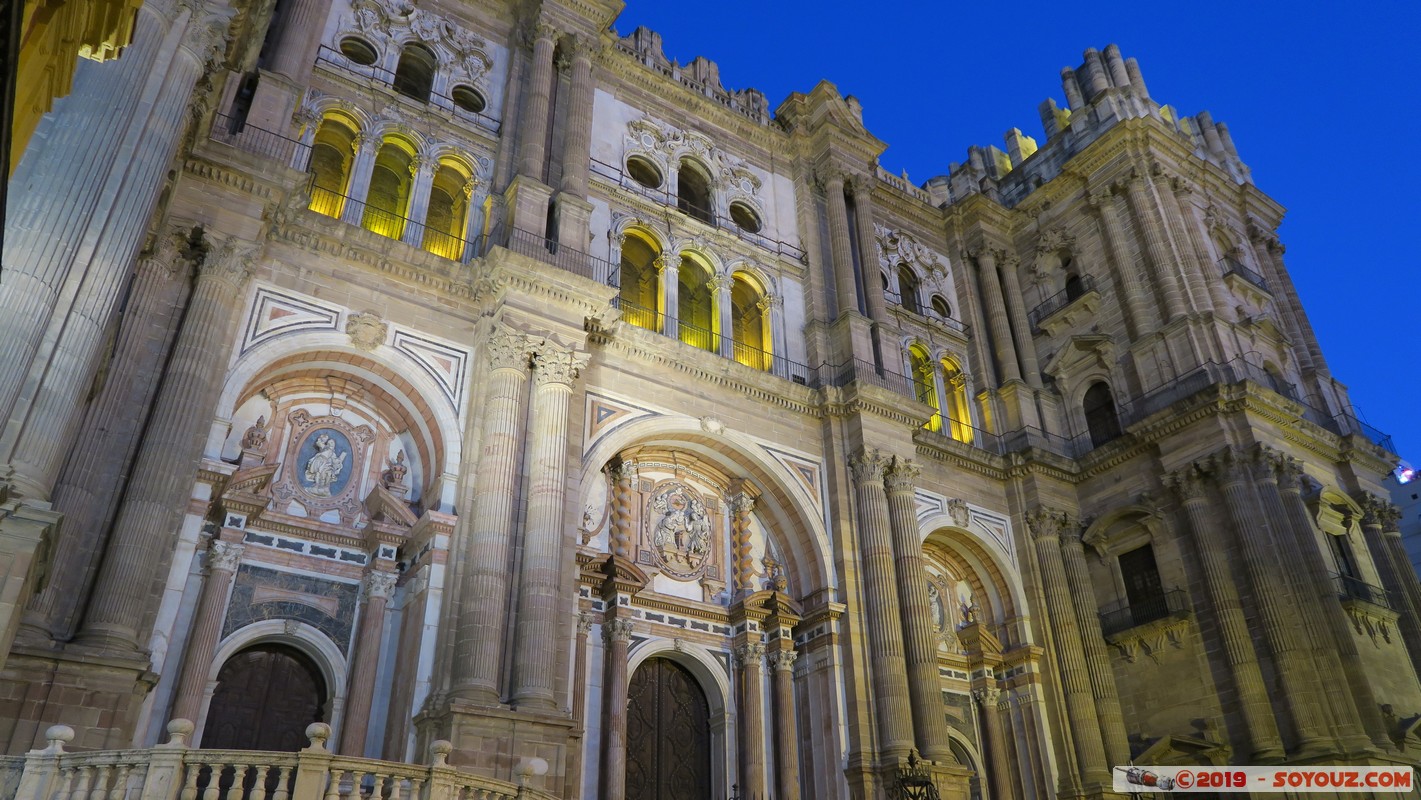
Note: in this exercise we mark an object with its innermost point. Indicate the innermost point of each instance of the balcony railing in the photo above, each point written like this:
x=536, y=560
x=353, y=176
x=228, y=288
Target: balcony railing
x=1060, y=300
x=1231, y=266
x=333, y=58
x=549, y=251
x=1124, y=615
x=703, y=338
x=895, y=299
x=237, y=133
x=392, y=225
x=1349, y=588
x=174, y=770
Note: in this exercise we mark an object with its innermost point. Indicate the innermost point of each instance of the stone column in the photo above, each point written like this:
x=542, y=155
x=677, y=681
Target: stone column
x=668, y=267
x=483, y=611
x=577, y=144
x=375, y=589
x=1139, y=313
x=741, y=548
x=750, y=657
x=1326, y=653
x=885, y=634
x=616, y=634
x=786, y=725
x=162, y=476
x=1097, y=658
x=1000, y=777
x=840, y=245
x=623, y=473
x=868, y=249
x=83, y=198
x=1377, y=514
x=996, y=314
x=1198, y=272
x=533, y=129
x=572, y=781
x=1270, y=260
x=721, y=285
x=222, y=560
x=778, y=342
x=535, y=637
x=920, y=640
x=1085, y=728
x=294, y=53
x=1262, y=729
x=1025, y=345
x=357, y=188
x=1295, y=671
x=422, y=170
x=93, y=476
x=1166, y=278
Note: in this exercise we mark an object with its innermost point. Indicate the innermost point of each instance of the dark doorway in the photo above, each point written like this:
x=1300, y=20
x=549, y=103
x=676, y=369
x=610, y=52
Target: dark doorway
x=1100, y=417
x=668, y=734
x=266, y=696
x=1143, y=589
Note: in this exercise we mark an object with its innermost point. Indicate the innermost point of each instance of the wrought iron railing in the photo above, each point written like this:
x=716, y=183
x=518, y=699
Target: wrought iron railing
x=390, y=224
x=1061, y=299
x=895, y=299
x=331, y=57
x=1232, y=266
x=1350, y=588
x=1124, y=615
x=550, y=251
x=259, y=141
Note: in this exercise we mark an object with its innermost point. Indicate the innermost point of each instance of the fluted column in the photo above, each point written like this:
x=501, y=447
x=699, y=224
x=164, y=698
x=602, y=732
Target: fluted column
x=623, y=473
x=375, y=589
x=1193, y=264
x=357, y=189
x=616, y=634
x=1045, y=526
x=1299, y=681
x=786, y=725
x=1166, y=277
x=1318, y=641
x=483, y=604
x=162, y=476
x=1138, y=313
x=1000, y=776
x=1376, y=514
x=996, y=313
x=89, y=485
x=1097, y=659
x=1271, y=261
x=668, y=267
x=1262, y=729
x=222, y=560
x=777, y=334
x=1016, y=307
x=840, y=245
x=533, y=128
x=885, y=634
x=294, y=54
x=577, y=145
x=868, y=248
x=920, y=640
x=81, y=204
x=750, y=657
x=572, y=781
x=535, y=636
x=422, y=171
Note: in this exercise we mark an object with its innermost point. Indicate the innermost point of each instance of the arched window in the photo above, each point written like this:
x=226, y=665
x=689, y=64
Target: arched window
x=695, y=303
x=744, y=216
x=693, y=192
x=908, y=285
x=1075, y=287
x=749, y=324
x=414, y=76
x=644, y=171
x=920, y=365
x=1101, y=418
x=358, y=50
x=447, y=215
x=954, y=406
x=329, y=166
x=389, y=190
x=638, y=294
x=941, y=308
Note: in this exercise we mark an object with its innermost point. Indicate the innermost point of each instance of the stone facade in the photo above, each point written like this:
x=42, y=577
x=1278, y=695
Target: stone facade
x=479, y=356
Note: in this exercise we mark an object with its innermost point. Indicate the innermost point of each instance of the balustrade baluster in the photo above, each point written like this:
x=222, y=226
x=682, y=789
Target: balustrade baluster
x=190, y=784
x=283, y=774
x=214, y=777
x=119, y=789
x=333, y=787
x=81, y=788
x=66, y=777
x=100, y=788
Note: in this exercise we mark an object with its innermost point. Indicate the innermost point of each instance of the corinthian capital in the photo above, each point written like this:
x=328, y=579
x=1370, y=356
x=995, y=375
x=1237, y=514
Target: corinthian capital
x=901, y=475
x=987, y=696
x=553, y=364
x=1045, y=523
x=1187, y=483
x=783, y=659
x=616, y=630
x=868, y=466
x=224, y=556
x=378, y=584
x=508, y=349
x=230, y=262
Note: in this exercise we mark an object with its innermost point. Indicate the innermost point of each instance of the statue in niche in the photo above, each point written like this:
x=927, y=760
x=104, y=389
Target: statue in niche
x=394, y=475
x=681, y=537
x=255, y=437
x=774, y=574
x=935, y=602
x=324, y=468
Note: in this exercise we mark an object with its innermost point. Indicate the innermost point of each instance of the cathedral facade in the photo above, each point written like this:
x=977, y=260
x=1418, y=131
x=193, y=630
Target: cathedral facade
x=470, y=382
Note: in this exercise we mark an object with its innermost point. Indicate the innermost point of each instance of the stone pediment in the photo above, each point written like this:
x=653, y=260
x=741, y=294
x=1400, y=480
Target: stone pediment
x=1095, y=350
x=381, y=505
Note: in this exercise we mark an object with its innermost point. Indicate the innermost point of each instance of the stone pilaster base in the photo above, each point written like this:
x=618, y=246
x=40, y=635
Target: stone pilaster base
x=26, y=533
x=500, y=743
x=99, y=696
x=953, y=781
x=527, y=204
x=574, y=216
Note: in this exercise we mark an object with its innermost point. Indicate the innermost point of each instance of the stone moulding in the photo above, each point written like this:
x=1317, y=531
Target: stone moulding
x=1151, y=638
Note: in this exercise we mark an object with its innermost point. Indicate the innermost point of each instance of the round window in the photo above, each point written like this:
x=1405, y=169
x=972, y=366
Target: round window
x=467, y=98
x=744, y=216
x=358, y=50
x=644, y=172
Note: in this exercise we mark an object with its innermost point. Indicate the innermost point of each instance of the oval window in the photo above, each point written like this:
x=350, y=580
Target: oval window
x=941, y=308
x=468, y=99
x=358, y=50
x=644, y=172
x=744, y=216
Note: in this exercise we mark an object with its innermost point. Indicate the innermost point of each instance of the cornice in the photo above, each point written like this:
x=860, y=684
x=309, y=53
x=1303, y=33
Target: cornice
x=956, y=454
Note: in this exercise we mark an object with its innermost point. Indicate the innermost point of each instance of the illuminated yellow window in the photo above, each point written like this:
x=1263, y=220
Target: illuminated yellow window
x=447, y=215
x=749, y=322
x=640, y=291
x=925, y=383
x=695, y=303
x=389, y=194
x=954, y=407
x=329, y=167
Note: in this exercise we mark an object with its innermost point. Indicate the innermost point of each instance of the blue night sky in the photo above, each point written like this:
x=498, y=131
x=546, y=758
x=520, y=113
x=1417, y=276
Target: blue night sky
x=1323, y=109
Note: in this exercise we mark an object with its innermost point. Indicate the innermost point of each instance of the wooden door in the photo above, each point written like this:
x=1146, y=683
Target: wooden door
x=668, y=734
x=265, y=697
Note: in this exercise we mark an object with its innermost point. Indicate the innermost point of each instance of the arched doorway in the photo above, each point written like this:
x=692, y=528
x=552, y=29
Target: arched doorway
x=266, y=695
x=668, y=734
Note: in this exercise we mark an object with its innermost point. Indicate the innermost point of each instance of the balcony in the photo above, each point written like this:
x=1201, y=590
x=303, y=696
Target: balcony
x=174, y=770
x=258, y=141
x=703, y=338
x=895, y=300
x=1060, y=311
x=392, y=225
x=1355, y=589
x=1122, y=616
x=378, y=76
x=1231, y=266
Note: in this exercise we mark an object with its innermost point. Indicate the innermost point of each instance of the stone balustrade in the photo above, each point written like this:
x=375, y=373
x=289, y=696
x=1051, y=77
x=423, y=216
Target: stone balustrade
x=175, y=771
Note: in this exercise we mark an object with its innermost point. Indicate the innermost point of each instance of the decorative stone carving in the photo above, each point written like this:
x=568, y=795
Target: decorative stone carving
x=378, y=584
x=388, y=23
x=366, y=330
x=959, y=512
x=224, y=556
x=901, y=475
x=508, y=349
x=616, y=630
x=746, y=654
x=553, y=364
x=393, y=478
x=584, y=623
x=255, y=438
x=231, y=262
x=1152, y=638
x=713, y=426
x=987, y=696
x=868, y=466
x=1046, y=522
x=774, y=574
x=783, y=659
x=680, y=530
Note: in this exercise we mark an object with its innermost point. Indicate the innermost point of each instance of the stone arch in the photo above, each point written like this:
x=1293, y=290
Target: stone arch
x=990, y=563
x=786, y=509
x=300, y=636
x=710, y=674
